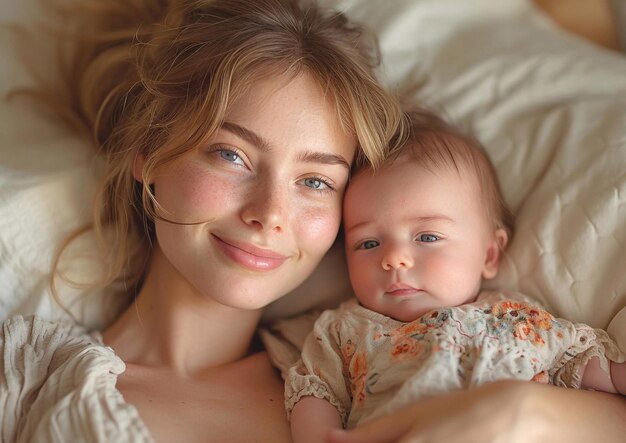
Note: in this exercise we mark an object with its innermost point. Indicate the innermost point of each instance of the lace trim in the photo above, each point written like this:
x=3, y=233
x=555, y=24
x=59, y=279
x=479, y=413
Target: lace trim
x=589, y=343
x=311, y=385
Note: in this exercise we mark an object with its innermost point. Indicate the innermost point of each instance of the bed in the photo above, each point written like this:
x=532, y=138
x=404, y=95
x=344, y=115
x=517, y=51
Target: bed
x=549, y=107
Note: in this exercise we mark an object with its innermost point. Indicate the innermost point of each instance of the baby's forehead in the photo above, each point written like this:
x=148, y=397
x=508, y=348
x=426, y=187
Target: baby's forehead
x=444, y=170
x=405, y=178
x=379, y=200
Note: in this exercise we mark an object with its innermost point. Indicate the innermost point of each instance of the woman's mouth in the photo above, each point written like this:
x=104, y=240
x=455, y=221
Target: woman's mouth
x=249, y=256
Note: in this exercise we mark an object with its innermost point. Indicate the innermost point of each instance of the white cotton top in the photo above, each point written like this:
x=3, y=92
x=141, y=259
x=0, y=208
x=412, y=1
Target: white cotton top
x=57, y=384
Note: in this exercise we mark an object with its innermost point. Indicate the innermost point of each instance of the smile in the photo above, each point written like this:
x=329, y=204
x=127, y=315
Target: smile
x=250, y=256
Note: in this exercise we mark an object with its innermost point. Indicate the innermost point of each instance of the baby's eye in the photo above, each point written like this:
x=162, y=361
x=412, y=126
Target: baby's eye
x=369, y=244
x=427, y=238
x=231, y=156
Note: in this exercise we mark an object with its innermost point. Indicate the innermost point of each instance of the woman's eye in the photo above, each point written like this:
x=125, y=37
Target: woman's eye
x=427, y=238
x=317, y=184
x=369, y=244
x=231, y=156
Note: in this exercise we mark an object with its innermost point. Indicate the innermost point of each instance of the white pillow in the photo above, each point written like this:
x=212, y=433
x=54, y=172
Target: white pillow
x=47, y=181
x=549, y=107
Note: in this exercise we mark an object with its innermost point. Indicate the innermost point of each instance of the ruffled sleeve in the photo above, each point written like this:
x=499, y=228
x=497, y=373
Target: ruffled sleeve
x=28, y=347
x=319, y=372
x=586, y=344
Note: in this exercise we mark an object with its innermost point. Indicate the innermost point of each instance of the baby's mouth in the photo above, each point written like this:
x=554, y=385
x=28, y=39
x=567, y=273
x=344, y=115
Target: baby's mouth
x=398, y=289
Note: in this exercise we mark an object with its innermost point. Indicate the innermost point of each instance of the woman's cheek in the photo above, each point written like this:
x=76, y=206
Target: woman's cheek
x=317, y=228
x=192, y=195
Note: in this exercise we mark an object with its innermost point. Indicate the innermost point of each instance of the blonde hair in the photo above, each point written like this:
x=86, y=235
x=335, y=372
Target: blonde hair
x=433, y=143
x=157, y=78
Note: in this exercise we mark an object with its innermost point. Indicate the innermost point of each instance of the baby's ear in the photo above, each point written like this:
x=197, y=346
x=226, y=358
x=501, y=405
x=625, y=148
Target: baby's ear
x=494, y=252
x=140, y=160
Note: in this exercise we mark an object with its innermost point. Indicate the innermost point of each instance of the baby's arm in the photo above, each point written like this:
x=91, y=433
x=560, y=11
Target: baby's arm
x=316, y=394
x=594, y=377
x=312, y=418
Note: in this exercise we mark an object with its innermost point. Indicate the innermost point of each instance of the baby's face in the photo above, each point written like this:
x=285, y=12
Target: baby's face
x=416, y=240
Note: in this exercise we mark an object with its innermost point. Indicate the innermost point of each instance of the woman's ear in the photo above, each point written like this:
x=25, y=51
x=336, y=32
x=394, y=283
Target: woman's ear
x=494, y=252
x=140, y=160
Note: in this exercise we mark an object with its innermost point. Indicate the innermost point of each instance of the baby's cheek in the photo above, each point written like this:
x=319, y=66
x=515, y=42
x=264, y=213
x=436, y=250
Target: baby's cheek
x=366, y=275
x=361, y=284
x=454, y=275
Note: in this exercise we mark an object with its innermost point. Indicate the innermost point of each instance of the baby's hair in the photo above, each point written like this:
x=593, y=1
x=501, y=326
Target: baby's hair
x=433, y=143
x=157, y=78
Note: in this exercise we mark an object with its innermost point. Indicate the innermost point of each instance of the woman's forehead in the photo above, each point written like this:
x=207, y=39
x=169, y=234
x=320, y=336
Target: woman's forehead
x=287, y=110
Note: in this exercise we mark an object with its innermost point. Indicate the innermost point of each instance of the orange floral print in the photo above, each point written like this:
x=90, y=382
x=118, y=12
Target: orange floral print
x=511, y=308
x=347, y=352
x=412, y=328
x=526, y=320
x=358, y=373
x=526, y=331
x=317, y=371
x=541, y=319
x=415, y=330
x=541, y=377
x=404, y=348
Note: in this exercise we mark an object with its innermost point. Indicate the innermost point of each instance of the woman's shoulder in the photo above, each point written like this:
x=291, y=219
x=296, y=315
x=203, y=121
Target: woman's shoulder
x=49, y=345
x=33, y=348
x=20, y=327
x=32, y=337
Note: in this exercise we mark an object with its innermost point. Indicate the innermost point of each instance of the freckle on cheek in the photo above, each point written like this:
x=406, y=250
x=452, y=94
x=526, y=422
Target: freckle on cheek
x=320, y=226
x=193, y=194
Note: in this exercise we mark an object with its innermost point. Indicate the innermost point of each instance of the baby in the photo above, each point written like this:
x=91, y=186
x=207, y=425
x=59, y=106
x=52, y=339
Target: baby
x=420, y=235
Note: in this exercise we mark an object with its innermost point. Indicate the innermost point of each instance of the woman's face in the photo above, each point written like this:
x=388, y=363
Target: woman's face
x=267, y=190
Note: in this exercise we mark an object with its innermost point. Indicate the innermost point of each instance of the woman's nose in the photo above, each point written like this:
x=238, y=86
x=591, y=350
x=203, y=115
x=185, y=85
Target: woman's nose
x=265, y=207
x=397, y=257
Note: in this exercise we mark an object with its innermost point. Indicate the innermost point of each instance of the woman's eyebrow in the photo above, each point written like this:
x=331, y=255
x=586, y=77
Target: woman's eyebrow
x=248, y=135
x=264, y=145
x=324, y=158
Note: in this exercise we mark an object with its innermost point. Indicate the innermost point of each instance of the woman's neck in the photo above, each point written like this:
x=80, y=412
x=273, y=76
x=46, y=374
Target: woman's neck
x=171, y=325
